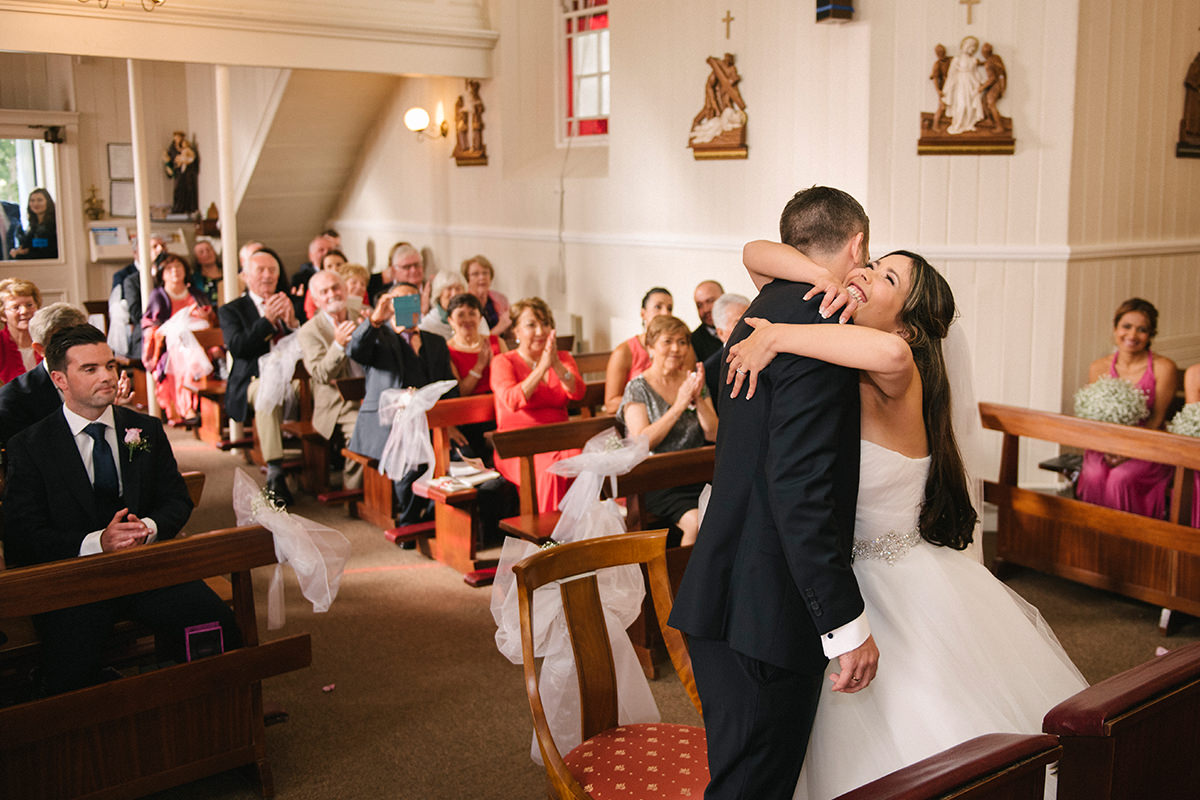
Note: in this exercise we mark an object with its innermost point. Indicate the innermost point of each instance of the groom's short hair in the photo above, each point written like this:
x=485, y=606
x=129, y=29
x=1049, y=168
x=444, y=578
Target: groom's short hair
x=821, y=220
x=62, y=341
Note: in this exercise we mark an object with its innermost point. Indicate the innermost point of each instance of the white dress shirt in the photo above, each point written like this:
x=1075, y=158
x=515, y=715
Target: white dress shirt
x=85, y=444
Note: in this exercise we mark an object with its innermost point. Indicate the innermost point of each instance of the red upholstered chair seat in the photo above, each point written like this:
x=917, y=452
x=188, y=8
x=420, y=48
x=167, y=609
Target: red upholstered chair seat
x=640, y=761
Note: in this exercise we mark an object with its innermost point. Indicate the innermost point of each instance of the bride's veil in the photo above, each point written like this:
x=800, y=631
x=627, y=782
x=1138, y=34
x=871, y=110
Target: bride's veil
x=964, y=417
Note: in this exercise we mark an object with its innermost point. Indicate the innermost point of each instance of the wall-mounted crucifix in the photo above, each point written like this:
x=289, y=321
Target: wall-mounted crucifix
x=728, y=20
x=970, y=4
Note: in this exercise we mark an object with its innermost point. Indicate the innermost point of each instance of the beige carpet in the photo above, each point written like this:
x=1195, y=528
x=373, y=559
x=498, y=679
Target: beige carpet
x=424, y=706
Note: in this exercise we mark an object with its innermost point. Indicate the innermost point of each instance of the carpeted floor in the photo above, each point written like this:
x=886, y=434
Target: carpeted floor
x=422, y=705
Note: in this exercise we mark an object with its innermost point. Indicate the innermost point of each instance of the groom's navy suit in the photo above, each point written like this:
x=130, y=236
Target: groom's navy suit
x=50, y=507
x=770, y=573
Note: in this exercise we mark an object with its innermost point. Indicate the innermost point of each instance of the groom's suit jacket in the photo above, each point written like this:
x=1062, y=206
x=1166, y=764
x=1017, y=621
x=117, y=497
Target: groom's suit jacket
x=770, y=573
x=49, y=505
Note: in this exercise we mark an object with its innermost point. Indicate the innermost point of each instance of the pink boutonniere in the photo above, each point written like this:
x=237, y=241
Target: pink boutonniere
x=134, y=441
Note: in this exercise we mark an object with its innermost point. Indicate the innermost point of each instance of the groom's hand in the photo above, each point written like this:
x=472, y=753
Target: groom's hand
x=857, y=667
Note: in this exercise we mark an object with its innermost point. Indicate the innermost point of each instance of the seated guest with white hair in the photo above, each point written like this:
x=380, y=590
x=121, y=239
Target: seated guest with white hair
x=396, y=355
x=251, y=325
x=323, y=341
x=30, y=397
x=726, y=311
x=95, y=478
x=446, y=286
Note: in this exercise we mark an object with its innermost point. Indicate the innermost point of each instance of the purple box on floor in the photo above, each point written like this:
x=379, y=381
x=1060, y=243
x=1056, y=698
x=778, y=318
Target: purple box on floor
x=204, y=640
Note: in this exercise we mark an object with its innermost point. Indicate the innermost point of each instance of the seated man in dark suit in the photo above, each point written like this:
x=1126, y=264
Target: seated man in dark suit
x=396, y=355
x=726, y=311
x=251, y=325
x=95, y=478
x=705, y=341
x=32, y=396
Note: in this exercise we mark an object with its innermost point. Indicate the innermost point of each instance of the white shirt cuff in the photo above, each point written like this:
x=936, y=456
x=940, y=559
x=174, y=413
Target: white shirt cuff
x=90, y=545
x=846, y=638
x=153, y=526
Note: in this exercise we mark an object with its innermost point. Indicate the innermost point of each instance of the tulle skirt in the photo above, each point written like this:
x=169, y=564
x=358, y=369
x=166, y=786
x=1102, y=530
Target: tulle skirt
x=961, y=655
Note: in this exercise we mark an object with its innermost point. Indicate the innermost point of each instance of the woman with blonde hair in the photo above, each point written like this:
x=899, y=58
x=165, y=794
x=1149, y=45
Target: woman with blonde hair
x=19, y=299
x=668, y=403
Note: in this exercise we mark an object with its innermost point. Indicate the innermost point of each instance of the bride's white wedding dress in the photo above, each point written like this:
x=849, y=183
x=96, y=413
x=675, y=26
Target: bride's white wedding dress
x=960, y=654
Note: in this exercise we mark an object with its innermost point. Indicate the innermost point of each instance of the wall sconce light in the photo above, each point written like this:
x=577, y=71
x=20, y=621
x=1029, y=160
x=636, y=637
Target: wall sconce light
x=416, y=119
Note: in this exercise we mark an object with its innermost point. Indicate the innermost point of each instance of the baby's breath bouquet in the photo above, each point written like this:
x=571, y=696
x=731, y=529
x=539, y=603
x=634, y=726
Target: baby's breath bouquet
x=1111, y=399
x=1187, y=421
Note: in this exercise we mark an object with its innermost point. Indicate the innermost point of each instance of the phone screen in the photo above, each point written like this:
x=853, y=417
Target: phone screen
x=408, y=310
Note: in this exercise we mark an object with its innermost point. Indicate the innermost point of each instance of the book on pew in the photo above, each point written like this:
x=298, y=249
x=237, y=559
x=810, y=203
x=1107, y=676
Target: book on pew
x=463, y=475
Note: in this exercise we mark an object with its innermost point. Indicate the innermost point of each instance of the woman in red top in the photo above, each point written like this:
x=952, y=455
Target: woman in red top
x=471, y=361
x=533, y=385
x=19, y=300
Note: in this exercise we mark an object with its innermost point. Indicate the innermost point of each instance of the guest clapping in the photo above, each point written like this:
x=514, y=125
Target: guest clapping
x=40, y=237
x=669, y=404
x=477, y=271
x=20, y=299
x=630, y=359
x=1130, y=484
x=533, y=385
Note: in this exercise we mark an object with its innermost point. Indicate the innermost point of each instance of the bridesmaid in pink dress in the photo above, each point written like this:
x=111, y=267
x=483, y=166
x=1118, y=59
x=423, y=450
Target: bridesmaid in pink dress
x=1130, y=484
x=630, y=358
x=1191, y=394
x=532, y=386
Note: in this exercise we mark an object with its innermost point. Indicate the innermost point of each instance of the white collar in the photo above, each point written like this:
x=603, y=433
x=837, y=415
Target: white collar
x=77, y=423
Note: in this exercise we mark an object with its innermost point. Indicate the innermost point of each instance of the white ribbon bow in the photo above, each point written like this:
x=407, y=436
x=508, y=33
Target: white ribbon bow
x=408, y=444
x=186, y=359
x=584, y=516
x=275, y=372
x=317, y=554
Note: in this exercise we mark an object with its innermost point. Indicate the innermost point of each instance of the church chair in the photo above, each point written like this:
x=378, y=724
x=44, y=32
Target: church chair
x=195, y=485
x=657, y=760
x=1134, y=735
x=996, y=766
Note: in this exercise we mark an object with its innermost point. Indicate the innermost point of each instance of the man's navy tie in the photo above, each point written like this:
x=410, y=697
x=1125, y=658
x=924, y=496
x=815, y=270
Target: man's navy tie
x=104, y=468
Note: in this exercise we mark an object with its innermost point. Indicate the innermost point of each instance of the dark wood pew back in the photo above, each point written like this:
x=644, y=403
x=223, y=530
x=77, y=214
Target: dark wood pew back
x=525, y=443
x=996, y=766
x=1134, y=735
x=1156, y=561
x=141, y=734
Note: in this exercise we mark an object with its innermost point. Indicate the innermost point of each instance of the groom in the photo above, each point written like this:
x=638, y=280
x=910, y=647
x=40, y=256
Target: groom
x=769, y=597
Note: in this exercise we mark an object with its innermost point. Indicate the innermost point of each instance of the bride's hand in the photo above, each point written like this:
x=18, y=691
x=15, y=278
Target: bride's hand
x=750, y=356
x=836, y=297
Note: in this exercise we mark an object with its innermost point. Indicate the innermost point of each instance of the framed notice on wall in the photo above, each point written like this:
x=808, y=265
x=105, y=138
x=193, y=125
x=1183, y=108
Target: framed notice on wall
x=121, y=202
x=120, y=162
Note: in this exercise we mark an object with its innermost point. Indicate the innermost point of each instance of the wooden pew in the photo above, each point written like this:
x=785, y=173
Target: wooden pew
x=1156, y=561
x=145, y=733
x=996, y=766
x=213, y=418
x=1134, y=735
x=524, y=444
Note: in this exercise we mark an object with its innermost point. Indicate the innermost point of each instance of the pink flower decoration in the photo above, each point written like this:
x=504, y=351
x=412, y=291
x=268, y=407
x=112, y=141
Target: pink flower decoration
x=133, y=435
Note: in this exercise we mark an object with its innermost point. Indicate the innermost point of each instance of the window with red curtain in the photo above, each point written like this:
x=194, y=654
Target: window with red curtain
x=587, y=67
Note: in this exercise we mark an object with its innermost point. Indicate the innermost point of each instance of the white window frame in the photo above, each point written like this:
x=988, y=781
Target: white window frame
x=570, y=10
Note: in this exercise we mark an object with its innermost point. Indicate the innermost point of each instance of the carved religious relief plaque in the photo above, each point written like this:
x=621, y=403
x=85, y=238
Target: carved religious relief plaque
x=969, y=87
x=469, y=149
x=719, y=130
x=1189, y=126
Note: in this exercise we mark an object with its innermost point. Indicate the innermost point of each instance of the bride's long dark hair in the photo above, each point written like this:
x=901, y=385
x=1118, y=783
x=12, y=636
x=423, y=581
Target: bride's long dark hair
x=947, y=515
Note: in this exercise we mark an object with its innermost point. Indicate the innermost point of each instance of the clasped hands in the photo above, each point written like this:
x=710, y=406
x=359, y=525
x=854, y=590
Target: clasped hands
x=278, y=308
x=124, y=531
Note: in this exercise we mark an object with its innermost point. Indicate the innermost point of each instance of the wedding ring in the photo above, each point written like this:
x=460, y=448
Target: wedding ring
x=739, y=370
x=854, y=679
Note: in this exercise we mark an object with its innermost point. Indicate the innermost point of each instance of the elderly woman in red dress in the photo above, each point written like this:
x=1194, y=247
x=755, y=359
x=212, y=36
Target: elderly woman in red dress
x=532, y=386
x=19, y=299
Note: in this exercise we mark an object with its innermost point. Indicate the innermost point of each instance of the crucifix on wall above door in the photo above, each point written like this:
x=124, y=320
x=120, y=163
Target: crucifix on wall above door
x=970, y=4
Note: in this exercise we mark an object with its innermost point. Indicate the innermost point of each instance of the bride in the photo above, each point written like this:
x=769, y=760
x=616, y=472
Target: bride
x=960, y=653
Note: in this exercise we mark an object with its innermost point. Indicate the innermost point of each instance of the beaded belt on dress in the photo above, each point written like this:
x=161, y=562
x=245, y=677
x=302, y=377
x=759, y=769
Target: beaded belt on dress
x=890, y=547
